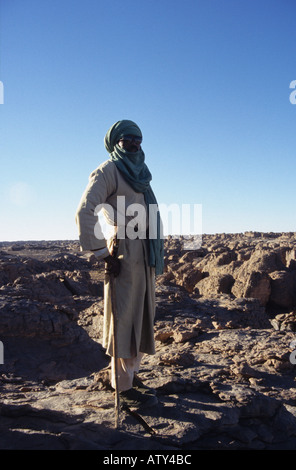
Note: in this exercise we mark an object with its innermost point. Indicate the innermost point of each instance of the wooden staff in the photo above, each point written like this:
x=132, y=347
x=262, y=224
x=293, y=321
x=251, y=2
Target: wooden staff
x=114, y=315
x=115, y=354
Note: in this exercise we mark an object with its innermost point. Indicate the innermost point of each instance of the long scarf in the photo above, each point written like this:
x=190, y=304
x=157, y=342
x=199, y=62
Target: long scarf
x=136, y=173
x=134, y=170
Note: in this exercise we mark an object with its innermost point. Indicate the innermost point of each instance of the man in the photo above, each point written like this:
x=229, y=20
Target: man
x=125, y=177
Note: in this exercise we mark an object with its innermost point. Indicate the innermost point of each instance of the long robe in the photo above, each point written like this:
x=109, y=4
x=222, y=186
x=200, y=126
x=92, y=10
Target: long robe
x=135, y=285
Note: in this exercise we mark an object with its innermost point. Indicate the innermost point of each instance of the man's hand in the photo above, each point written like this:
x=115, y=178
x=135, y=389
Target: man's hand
x=112, y=266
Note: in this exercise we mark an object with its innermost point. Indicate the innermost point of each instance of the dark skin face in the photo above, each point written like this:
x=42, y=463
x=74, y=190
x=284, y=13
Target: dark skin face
x=130, y=143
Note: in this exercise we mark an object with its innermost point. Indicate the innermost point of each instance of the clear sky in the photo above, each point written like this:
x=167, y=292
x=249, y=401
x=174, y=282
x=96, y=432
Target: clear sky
x=208, y=82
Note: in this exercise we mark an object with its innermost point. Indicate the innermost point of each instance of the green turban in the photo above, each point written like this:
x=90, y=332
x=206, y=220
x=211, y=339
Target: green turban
x=118, y=130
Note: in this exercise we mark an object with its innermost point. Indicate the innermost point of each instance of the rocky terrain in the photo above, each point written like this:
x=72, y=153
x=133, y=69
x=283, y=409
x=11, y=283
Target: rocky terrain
x=223, y=371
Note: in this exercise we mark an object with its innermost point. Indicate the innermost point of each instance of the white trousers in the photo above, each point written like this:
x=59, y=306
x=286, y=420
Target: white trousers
x=126, y=369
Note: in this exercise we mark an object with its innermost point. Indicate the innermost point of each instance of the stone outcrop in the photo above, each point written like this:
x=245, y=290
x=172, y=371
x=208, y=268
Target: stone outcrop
x=250, y=265
x=224, y=368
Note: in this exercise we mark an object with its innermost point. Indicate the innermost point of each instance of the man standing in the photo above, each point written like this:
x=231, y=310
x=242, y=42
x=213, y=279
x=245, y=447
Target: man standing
x=126, y=178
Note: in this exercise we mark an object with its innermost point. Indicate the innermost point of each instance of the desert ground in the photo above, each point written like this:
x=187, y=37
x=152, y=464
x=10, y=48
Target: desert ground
x=224, y=368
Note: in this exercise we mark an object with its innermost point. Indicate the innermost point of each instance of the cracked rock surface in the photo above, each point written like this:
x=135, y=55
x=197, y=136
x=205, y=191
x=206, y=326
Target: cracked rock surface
x=223, y=371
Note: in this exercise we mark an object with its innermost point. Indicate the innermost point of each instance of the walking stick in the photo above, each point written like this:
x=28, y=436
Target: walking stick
x=114, y=315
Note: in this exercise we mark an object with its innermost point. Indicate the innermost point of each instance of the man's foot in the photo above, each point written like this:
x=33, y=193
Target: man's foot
x=141, y=387
x=135, y=399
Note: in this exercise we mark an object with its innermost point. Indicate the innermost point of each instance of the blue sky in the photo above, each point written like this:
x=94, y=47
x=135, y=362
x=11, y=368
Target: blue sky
x=206, y=80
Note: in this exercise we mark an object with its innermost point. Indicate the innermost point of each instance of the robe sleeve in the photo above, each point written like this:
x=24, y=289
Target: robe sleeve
x=101, y=184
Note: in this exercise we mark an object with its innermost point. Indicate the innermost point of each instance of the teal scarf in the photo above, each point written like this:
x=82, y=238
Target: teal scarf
x=133, y=168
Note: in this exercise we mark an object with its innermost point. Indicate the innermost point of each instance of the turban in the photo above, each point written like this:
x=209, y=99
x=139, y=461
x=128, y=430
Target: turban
x=118, y=130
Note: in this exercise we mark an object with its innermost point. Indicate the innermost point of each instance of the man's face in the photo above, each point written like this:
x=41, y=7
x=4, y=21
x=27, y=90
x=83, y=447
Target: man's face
x=130, y=143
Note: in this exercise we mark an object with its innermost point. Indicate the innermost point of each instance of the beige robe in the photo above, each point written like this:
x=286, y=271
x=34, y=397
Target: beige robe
x=135, y=285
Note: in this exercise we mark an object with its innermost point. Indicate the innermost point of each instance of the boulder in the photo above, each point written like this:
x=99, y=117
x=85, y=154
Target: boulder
x=283, y=289
x=255, y=285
